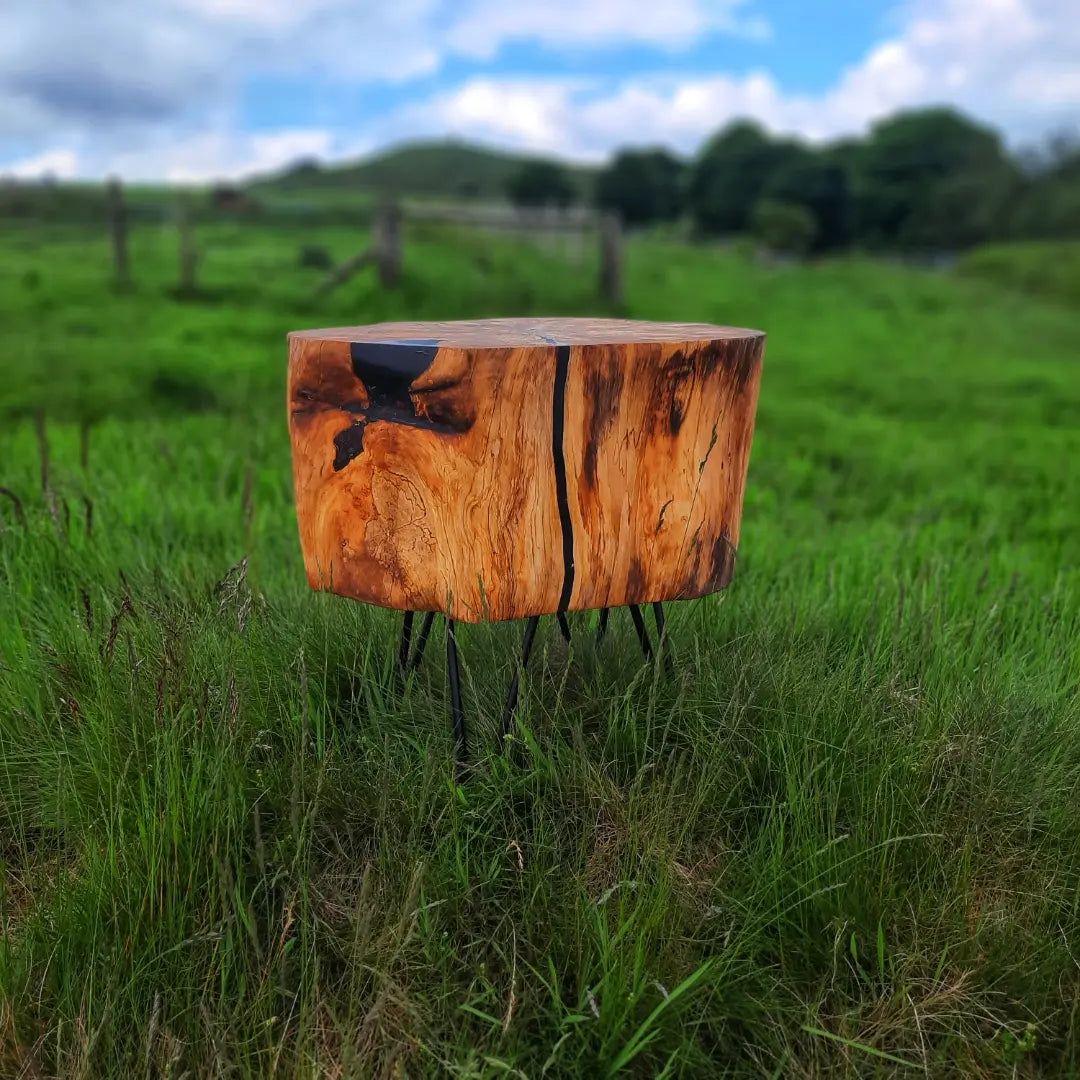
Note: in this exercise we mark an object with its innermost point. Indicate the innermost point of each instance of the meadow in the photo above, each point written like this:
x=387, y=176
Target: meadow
x=841, y=839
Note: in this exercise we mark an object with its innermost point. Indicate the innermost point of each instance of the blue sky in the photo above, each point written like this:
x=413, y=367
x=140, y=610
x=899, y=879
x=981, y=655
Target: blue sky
x=193, y=89
x=808, y=53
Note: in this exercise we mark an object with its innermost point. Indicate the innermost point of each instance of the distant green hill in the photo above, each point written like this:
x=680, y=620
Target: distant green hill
x=307, y=192
x=443, y=169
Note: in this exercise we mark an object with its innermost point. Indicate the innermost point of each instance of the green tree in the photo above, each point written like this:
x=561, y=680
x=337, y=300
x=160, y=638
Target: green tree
x=1048, y=204
x=930, y=179
x=819, y=181
x=783, y=227
x=643, y=186
x=1046, y=209
x=731, y=173
x=541, y=183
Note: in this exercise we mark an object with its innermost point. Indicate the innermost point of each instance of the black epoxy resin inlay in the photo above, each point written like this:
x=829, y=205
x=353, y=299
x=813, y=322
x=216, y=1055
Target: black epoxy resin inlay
x=348, y=445
x=562, y=368
x=387, y=369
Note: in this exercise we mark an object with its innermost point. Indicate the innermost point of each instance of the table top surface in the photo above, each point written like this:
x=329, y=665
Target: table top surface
x=516, y=333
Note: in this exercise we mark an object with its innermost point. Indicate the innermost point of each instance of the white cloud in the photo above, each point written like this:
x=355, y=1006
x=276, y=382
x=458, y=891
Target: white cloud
x=269, y=13
x=61, y=164
x=484, y=25
x=573, y=118
x=148, y=87
x=221, y=154
x=71, y=67
x=218, y=155
x=533, y=113
x=1014, y=63
x=88, y=65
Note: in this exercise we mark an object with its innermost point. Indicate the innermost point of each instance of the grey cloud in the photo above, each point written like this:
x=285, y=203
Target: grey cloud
x=90, y=65
x=95, y=95
x=73, y=65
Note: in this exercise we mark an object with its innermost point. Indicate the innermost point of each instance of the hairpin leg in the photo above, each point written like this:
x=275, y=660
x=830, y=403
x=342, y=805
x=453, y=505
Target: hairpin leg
x=515, y=682
x=406, y=637
x=642, y=633
x=564, y=626
x=661, y=635
x=457, y=716
x=601, y=630
x=425, y=630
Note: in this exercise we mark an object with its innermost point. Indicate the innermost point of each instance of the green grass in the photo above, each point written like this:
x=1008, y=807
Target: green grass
x=841, y=840
x=1042, y=268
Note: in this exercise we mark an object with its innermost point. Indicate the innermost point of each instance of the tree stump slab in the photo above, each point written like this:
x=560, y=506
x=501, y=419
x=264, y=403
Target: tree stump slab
x=504, y=468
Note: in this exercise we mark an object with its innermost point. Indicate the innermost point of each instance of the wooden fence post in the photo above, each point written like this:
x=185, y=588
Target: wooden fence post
x=342, y=273
x=189, y=255
x=387, y=243
x=611, y=258
x=118, y=232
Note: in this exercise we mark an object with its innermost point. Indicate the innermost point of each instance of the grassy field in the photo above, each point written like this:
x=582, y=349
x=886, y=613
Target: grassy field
x=1040, y=268
x=842, y=840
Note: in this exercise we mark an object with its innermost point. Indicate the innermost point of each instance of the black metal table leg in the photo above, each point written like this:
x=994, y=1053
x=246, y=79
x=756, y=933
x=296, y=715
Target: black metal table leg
x=457, y=715
x=425, y=630
x=661, y=635
x=658, y=617
x=642, y=632
x=406, y=637
x=409, y=659
x=515, y=682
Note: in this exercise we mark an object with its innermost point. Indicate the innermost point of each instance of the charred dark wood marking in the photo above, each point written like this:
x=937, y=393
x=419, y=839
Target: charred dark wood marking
x=680, y=369
x=692, y=563
x=663, y=510
x=604, y=390
x=705, y=460
x=558, y=424
x=672, y=388
x=742, y=361
x=739, y=357
x=635, y=579
x=446, y=407
x=722, y=566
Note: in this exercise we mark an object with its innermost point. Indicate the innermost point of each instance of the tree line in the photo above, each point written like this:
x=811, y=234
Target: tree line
x=927, y=180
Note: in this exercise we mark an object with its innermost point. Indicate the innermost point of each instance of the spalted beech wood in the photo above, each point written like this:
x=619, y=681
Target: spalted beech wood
x=511, y=467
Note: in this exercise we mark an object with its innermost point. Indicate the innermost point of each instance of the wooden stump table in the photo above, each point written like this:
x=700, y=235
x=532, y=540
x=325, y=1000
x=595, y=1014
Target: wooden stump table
x=512, y=468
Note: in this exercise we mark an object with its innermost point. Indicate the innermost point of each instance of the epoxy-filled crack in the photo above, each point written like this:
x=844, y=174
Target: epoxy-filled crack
x=562, y=367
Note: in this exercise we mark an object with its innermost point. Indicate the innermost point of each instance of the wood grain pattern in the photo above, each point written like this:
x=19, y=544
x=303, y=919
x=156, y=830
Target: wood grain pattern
x=662, y=432
x=502, y=468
